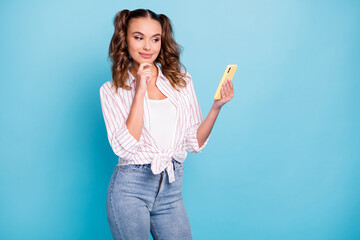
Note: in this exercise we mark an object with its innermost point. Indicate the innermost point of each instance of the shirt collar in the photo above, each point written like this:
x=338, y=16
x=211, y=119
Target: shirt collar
x=161, y=75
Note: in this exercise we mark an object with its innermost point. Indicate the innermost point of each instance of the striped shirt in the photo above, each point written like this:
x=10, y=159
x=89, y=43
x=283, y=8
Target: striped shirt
x=116, y=108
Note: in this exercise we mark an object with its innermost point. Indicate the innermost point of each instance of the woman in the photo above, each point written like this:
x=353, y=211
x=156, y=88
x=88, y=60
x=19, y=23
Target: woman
x=152, y=119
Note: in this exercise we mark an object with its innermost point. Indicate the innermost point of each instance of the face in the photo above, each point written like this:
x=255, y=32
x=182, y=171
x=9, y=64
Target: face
x=143, y=40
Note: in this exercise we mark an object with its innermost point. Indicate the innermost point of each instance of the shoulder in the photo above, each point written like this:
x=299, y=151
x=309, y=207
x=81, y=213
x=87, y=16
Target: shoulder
x=107, y=88
x=106, y=85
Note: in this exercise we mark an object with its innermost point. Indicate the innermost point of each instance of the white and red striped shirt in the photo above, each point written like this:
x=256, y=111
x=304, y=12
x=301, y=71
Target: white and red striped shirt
x=116, y=108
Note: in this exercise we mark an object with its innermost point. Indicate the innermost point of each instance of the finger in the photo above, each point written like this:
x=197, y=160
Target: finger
x=224, y=92
x=231, y=92
x=142, y=65
x=147, y=72
x=228, y=89
x=224, y=84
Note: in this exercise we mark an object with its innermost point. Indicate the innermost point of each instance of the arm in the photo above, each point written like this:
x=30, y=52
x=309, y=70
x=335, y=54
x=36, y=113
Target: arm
x=206, y=126
x=196, y=138
x=123, y=143
x=135, y=121
x=199, y=133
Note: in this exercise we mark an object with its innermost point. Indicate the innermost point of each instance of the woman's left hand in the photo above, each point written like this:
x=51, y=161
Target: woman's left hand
x=227, y=93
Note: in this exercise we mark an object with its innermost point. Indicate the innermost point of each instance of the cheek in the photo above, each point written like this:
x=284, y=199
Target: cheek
x=158, y=47
x=133, y=45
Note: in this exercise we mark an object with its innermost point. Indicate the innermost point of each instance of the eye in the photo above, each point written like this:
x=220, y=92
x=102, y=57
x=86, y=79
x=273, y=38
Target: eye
x=139, y=38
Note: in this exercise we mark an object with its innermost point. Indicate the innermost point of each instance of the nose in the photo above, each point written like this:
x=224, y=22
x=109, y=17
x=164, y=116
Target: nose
x=147, y=45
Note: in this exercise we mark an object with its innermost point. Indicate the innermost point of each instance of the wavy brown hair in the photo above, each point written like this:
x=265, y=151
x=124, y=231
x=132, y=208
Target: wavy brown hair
x=168, y=58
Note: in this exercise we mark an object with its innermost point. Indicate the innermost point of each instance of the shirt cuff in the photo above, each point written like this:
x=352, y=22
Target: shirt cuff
x=126, y=141
x=191, y=143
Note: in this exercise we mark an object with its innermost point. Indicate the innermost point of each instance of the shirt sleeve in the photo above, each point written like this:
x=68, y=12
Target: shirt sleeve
x=121, y=141
x=196, y=118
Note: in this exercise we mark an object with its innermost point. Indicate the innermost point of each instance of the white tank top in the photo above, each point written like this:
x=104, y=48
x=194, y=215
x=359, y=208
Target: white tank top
x=162, y=121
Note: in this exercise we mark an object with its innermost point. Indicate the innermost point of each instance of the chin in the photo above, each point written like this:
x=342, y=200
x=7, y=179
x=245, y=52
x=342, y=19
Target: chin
x=144, y=60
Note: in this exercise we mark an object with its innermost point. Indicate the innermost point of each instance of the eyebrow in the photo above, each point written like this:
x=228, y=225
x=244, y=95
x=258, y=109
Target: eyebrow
x=158, y=34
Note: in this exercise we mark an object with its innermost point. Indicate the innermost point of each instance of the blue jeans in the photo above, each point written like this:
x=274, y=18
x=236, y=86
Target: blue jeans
x=140, y=202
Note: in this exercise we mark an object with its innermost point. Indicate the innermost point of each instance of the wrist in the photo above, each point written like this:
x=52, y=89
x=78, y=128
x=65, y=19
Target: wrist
x=139, y=95
x=215, y=107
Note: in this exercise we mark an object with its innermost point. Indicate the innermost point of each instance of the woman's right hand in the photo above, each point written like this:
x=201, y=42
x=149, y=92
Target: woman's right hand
x=143, y=77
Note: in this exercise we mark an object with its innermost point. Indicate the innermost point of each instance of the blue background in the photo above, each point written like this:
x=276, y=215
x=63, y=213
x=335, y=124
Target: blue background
x=283, y=158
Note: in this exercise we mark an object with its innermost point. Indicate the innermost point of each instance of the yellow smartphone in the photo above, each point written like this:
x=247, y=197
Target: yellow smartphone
x=229, y=73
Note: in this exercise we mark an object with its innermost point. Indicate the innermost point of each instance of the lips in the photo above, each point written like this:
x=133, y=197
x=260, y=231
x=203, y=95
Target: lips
x=144, y=55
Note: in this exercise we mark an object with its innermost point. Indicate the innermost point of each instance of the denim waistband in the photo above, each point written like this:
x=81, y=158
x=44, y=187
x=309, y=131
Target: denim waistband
x=148, y=165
